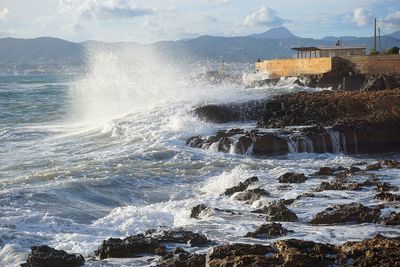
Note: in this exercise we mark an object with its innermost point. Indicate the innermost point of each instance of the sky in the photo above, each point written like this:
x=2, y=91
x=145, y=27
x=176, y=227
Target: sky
x=148, y=21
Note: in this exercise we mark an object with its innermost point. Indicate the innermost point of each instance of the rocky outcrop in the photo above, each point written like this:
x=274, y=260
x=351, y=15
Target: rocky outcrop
x=267, y=231
x=347, y=213
x=292, y=178
x=252, y=195
x=149, y=243
x=386, y=196
x=392, y=219
x=241, y=186
x=199, y=209
x=277, y=212
x=182, y=258
x=45, y=256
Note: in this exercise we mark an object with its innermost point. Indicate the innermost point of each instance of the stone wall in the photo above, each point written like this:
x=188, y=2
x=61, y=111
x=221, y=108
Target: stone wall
x=383, y=64
x=295, y=67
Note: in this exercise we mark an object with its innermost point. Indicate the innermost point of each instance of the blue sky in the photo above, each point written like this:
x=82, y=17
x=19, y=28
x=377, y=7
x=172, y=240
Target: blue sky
x=153, y=20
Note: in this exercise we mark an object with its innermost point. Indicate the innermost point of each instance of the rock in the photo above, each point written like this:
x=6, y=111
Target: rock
x=378, y=251
x=374, y=167
x=267, y=231
x=178, y=236
x=347, y=213
x=338, y=185
x=305, y=253
x=392, y=219
x=197, y=210
x=270, y=144
x=325, y=171
x=45, y=256
x=383, y=187
x=287, y=202
x=292, y=178
x=184, y=259
x=386, y=196
x=277, y=211
x=252, y=195
x=149, y=243
x=129, y=247
x=241, y=186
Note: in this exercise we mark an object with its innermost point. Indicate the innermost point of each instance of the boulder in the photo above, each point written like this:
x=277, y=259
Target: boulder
x=277, y=211
x=325, y=171
x=252, y=195
x=182, y=258
x=241, y=186
x=386, y=196
x=292, y=178
x=392, y=219
x=267, y=231
x=178, y=236
x=45, y=256
x=383, y=187
x=347, y=213
x=197, y=210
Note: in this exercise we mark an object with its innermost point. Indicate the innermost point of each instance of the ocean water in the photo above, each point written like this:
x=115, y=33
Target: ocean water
x=102, y=154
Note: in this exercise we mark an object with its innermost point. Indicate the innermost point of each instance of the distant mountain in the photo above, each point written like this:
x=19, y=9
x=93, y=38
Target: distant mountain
x=275, y=33
x=395, y=35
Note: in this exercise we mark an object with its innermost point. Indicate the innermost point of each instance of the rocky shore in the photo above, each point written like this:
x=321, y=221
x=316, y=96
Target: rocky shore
x=180, y=247
x=322, y=122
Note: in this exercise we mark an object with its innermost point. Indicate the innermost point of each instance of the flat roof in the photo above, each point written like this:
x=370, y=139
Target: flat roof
x=339, y=47
x=311, y=48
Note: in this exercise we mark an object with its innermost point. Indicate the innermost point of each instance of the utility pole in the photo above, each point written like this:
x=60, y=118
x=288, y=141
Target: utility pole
x=375, y=35
x=380, y=44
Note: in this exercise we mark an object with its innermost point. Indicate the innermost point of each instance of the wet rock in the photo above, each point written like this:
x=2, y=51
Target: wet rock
x=197, y=210
x=295, y=252
x=287, y=202
x=284, y=187
x=241, y=255
x=130, y=247
x=325, y=171
x=378, y=251
x=338, y=185
x=347, y=213
x=45, y=256
x=178, y=236
x=374, y=167
x=267, y=231
x=292, y=178
x=386, y=196
x=277, y=211
x=183, y=258
x=270, y=144
x=252, y=195
x=384, y=187
x=241, y=186
x=149, y=243
x=392, y=219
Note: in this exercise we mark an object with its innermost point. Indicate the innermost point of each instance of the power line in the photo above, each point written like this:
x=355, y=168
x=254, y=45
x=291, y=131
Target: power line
x=398, y=40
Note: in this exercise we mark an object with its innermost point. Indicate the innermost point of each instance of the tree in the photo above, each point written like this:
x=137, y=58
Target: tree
x=393, y=50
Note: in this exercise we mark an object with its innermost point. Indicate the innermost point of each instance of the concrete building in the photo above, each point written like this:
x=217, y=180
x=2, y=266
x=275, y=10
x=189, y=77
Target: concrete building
x=339, y=50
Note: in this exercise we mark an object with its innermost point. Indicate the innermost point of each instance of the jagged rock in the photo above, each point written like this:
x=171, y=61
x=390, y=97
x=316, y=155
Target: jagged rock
x=374, y=167
x=325, y=171
x=241, y=186
x=241, y=255
x=295, y=252
x=267, y=231
x=177, y=236
x=287, y=202
x=338, y=185
x=197, y=210
x=386, y=196
x=292, y=178
x=252, y=195
x=378, y=251
x=270, y=144
x=277, y=211
x=347, y=213
x=182, y=258
x=45, y=256
x=383, y=187
x=392, y=219
x=150, y=243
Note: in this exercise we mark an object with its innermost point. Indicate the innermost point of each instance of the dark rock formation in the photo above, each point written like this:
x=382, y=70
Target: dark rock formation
x=392, y=219
x=197, y=210
x=386, y=196
x=277, y=211
x=325, y=171
x=378, y=251
x=45, y=256
x=347, y=213
x=252, y=195
x=292, y=178
x=149, y=243
x=241, y=186
x=267, y=231
x=182, y=258
x=384, y=187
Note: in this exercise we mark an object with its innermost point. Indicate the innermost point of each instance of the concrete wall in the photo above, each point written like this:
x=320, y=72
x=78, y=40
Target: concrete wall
x=389, y=65
x=295, y=67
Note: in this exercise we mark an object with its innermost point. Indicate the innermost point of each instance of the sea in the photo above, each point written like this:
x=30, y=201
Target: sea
x=103, y=154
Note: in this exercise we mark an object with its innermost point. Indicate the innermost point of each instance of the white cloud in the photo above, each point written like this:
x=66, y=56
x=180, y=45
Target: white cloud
x=3, y=13
x=264, y=17
x=102, y=10
x=392, y=21
x=362, y=17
